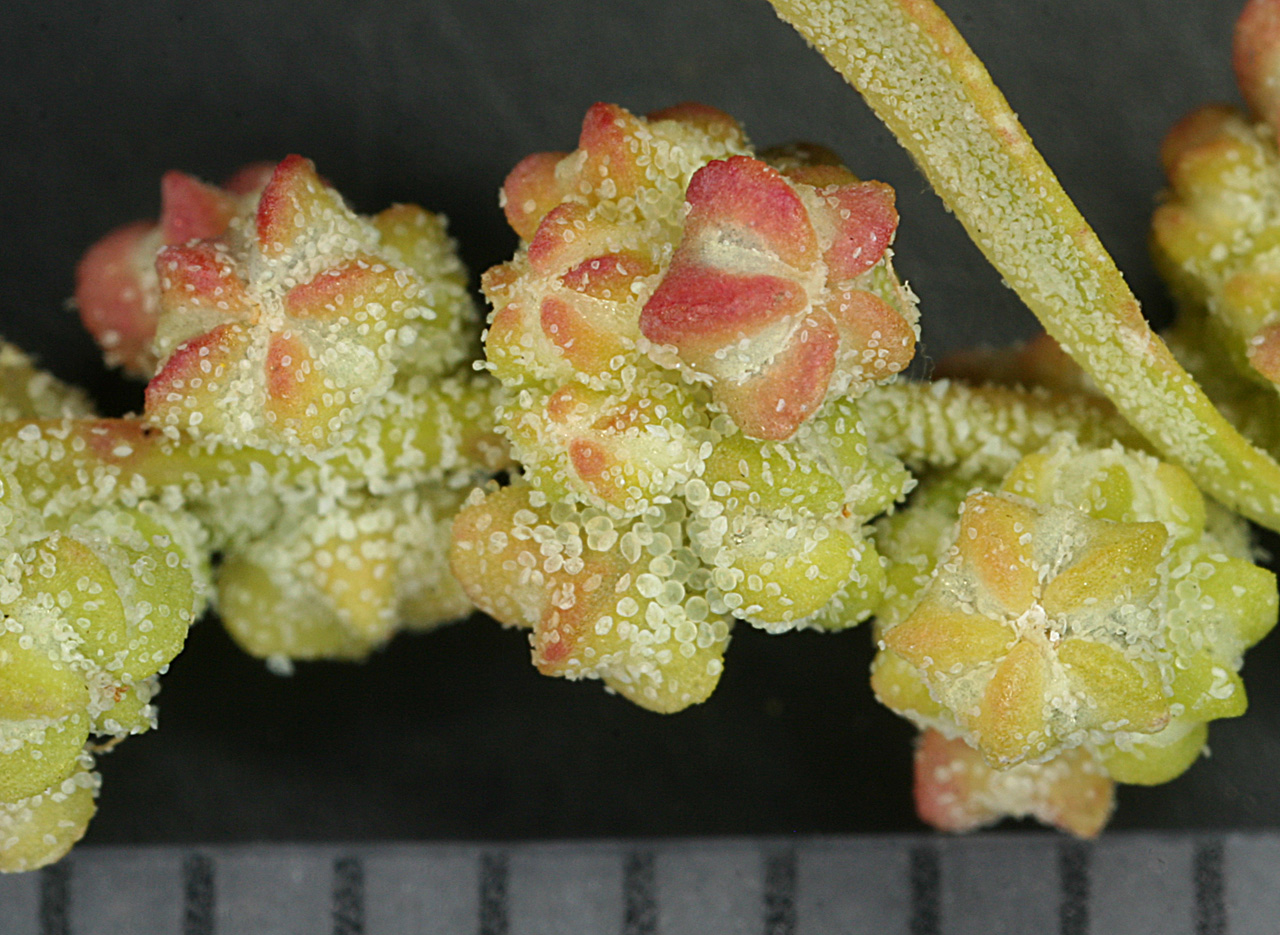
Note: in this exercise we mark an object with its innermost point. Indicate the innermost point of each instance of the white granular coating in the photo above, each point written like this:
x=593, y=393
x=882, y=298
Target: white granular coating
x=337, y=582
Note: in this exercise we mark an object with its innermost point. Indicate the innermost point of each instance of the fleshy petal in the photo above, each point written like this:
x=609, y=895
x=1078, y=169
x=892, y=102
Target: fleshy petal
x=610, y=140
x=863, y=220
x=419, y=239
x=1118, y=565
x=191, y=209
x=1201, y=136
x=35, y=685
x=701, y=309
x=1256, y=57
x=1117, y=690
x=340, y=292
x=569, y=619
x=569, y=236
x=740, y=205
x=939, y=640
x=498, y=570
x=955, y=790
x=995, y=540
x=530, y=191
x=592, y=429
x=116, y=303
x=775, y=401
x=204, y=363
x=711, y=120
x=301, y=395
x=296, y=205
x=1011, y=721
x=199, y=277
x=588, y=348
x=1264, y=352
x=876, y=337
x=250, y=179
x=608, y=277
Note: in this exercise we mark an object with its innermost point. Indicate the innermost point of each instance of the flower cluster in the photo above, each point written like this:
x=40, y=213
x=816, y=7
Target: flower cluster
x=95, y=600
x=1215, y=235
x=1091, y=602
x=117, y=289
x=293, y=327
x=310, y=423
x=681, y=340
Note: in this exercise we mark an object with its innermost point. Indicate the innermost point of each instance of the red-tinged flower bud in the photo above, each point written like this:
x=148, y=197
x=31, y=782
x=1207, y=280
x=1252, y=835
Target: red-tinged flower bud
x=117, y=291
x=765, y=298
x=293, y=332
x=955, y=789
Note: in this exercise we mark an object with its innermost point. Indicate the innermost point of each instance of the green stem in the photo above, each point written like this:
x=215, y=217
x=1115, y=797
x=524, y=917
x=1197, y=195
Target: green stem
x=983, y=430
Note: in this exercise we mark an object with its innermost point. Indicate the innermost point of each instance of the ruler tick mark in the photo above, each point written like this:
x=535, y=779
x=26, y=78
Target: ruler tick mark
x=780, y=893
x=1073, y=888
x=199, y=895
x=1211, y=907
x=639, y=896
x=926, y=890
x=348, y=896
x=493, y=894
x=55, y=899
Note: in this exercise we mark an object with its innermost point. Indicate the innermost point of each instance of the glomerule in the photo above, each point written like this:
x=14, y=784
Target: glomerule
x=681, y=340
x=310, y=429
x=96, y=599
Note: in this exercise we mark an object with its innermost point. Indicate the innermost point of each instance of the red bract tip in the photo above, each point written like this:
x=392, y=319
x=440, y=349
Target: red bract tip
x=116, y=290
x=290, y=203
x=192, y=210
x=743, y=201
x=530, y=191
x=115, y=304
x=610, y=141
x=864, y=220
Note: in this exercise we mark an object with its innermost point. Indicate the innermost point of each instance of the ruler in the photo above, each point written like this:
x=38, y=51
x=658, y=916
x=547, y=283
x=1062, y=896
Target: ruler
x=1030, y=884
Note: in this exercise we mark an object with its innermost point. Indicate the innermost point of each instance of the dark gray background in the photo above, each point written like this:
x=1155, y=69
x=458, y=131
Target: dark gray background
x=453, y=735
